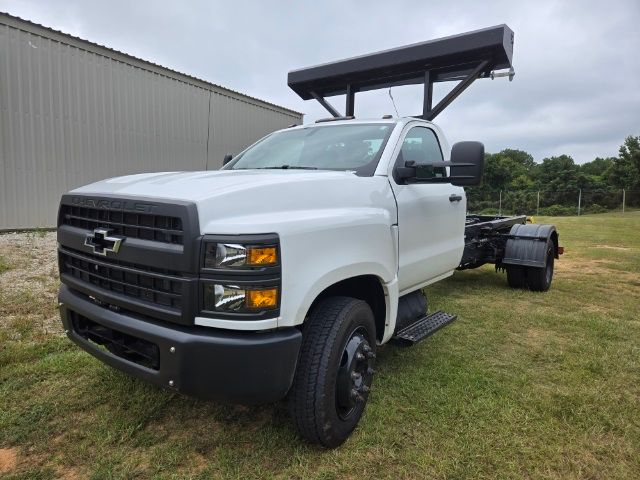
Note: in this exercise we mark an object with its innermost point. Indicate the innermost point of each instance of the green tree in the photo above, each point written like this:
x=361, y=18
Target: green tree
x=624, y=172
x=559, y=179
x=523, y=158
x=597, y=167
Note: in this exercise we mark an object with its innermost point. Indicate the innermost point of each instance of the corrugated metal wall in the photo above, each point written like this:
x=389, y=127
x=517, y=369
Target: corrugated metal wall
x=71, y=115
x=233, y=122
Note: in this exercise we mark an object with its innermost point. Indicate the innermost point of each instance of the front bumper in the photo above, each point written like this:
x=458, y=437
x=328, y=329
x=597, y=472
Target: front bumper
x=246, y=367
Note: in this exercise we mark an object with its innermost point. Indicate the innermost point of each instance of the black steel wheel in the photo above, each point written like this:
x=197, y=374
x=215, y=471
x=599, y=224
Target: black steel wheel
x=355, y=374
x=335, y=370
x=539, y=278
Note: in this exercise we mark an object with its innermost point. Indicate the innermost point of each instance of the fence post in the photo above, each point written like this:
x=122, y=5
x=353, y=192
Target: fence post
x=579, y=200
x=538, y=205
x=500, y=204
x=623, y=199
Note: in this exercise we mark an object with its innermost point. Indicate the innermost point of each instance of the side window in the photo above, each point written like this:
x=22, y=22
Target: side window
x=421, y=146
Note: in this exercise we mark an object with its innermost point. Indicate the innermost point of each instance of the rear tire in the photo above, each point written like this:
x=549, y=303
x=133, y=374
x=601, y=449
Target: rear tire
x=516, y=277
x=335, y=370
x=539, y=279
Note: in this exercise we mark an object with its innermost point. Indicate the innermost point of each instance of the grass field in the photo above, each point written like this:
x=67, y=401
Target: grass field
x=522, y=385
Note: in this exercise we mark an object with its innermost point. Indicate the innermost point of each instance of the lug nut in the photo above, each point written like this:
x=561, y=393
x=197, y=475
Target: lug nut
x=355, y=375
x=356, y=395
x=171, y=383
x=359, y=356
x=172, y=350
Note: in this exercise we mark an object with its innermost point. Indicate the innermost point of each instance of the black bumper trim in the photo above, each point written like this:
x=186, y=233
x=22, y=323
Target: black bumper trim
x=248, y=368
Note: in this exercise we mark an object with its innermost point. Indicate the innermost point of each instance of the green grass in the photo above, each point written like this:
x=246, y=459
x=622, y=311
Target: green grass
x=4, y=265
x=522, y=385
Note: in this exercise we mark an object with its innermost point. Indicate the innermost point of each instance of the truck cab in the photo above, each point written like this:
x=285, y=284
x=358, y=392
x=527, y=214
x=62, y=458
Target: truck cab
x=204, y=281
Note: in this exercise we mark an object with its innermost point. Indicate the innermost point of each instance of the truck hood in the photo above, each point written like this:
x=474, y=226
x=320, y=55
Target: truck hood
x=238, y=201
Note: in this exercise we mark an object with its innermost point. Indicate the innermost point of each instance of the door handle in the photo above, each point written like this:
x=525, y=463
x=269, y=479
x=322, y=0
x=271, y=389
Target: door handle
x=455, y=198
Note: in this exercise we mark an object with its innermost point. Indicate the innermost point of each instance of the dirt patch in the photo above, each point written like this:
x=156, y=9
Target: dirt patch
x=613, y=247
x=536, y=338
x=8, y=459
x=582, y=266
x=29, y=286
x=29, y=256
x=67, y=473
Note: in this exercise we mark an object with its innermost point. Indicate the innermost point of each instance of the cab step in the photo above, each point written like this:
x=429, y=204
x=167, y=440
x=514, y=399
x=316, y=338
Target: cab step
x=423, y=327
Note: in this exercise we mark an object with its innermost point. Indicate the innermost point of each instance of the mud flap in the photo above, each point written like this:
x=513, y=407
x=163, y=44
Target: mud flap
x=527, y=245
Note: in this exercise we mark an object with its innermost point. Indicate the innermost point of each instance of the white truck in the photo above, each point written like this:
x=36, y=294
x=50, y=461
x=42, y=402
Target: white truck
x=282, y=273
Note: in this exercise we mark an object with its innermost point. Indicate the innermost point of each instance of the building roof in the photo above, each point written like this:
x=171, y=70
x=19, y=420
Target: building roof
x=41, y=30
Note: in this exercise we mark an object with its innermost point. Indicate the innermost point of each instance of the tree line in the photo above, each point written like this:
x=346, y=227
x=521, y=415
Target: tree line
x=554, y=186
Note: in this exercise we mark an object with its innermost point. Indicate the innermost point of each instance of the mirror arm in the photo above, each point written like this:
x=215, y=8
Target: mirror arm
x=446, y=164
x=442, y=179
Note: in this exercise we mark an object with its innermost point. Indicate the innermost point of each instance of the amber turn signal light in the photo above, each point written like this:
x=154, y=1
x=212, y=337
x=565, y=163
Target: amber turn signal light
x=262, y=256
x=264, y=298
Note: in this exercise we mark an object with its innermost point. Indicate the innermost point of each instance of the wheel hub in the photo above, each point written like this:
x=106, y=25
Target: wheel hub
x=355, y=374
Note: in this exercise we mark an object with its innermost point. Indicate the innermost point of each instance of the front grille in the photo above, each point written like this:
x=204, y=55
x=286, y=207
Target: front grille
x=133, y=349
x=147, y=226
x=145, y=284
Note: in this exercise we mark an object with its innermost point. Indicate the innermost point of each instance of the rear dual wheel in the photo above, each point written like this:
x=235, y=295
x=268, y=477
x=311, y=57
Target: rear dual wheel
x=335, y=370
x=537, y=279
x=516, y=276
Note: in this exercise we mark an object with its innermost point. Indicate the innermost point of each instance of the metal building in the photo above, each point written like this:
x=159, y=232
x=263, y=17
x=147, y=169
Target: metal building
x=73, y=112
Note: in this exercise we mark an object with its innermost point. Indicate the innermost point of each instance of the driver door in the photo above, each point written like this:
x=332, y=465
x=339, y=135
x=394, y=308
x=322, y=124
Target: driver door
x=431, y=216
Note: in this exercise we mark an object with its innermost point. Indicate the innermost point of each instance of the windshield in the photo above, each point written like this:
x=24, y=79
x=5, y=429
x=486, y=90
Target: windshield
x=328, y=147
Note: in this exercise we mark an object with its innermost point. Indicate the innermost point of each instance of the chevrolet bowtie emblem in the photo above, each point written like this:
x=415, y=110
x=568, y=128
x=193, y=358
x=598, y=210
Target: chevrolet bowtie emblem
x=101, y=241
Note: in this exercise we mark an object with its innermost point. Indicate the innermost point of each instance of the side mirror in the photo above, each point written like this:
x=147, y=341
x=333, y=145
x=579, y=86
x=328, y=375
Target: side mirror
x=467, y=164
x=227, y=158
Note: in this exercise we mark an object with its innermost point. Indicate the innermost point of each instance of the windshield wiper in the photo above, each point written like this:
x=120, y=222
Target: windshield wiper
x=290, y=167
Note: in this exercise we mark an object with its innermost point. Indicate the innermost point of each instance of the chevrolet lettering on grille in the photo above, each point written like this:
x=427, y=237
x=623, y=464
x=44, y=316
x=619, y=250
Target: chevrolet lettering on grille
x=101, y=242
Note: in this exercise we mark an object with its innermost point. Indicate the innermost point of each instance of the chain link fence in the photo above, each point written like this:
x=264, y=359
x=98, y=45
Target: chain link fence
x=552, y=202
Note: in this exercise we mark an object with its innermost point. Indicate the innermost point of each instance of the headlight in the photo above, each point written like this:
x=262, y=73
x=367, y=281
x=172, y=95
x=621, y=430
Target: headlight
x=228, y=298
x=234, y=255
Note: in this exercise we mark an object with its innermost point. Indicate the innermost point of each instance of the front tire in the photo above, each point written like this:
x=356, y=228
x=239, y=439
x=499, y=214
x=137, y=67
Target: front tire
x=335, y=370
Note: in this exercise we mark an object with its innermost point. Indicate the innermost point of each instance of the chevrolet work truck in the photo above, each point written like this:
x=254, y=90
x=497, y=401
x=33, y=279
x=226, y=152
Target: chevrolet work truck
x=280, y=275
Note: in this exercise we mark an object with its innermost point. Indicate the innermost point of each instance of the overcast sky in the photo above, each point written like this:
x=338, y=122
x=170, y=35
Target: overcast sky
x=576, y=90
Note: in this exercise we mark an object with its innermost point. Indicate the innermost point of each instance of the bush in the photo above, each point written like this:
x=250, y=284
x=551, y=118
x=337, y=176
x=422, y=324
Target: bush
x=558, y=210
x=595, y=208
x=488, y=211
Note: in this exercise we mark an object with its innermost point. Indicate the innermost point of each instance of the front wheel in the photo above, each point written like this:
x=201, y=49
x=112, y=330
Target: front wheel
x=335, y=370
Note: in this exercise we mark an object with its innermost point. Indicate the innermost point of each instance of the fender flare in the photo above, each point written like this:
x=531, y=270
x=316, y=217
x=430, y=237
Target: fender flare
x=527, y=245
x=338, y=275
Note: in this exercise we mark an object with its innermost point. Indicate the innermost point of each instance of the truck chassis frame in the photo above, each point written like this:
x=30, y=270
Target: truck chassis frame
x=485, y=239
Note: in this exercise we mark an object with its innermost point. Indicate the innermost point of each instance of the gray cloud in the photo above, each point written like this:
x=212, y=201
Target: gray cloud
x=576, y=91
